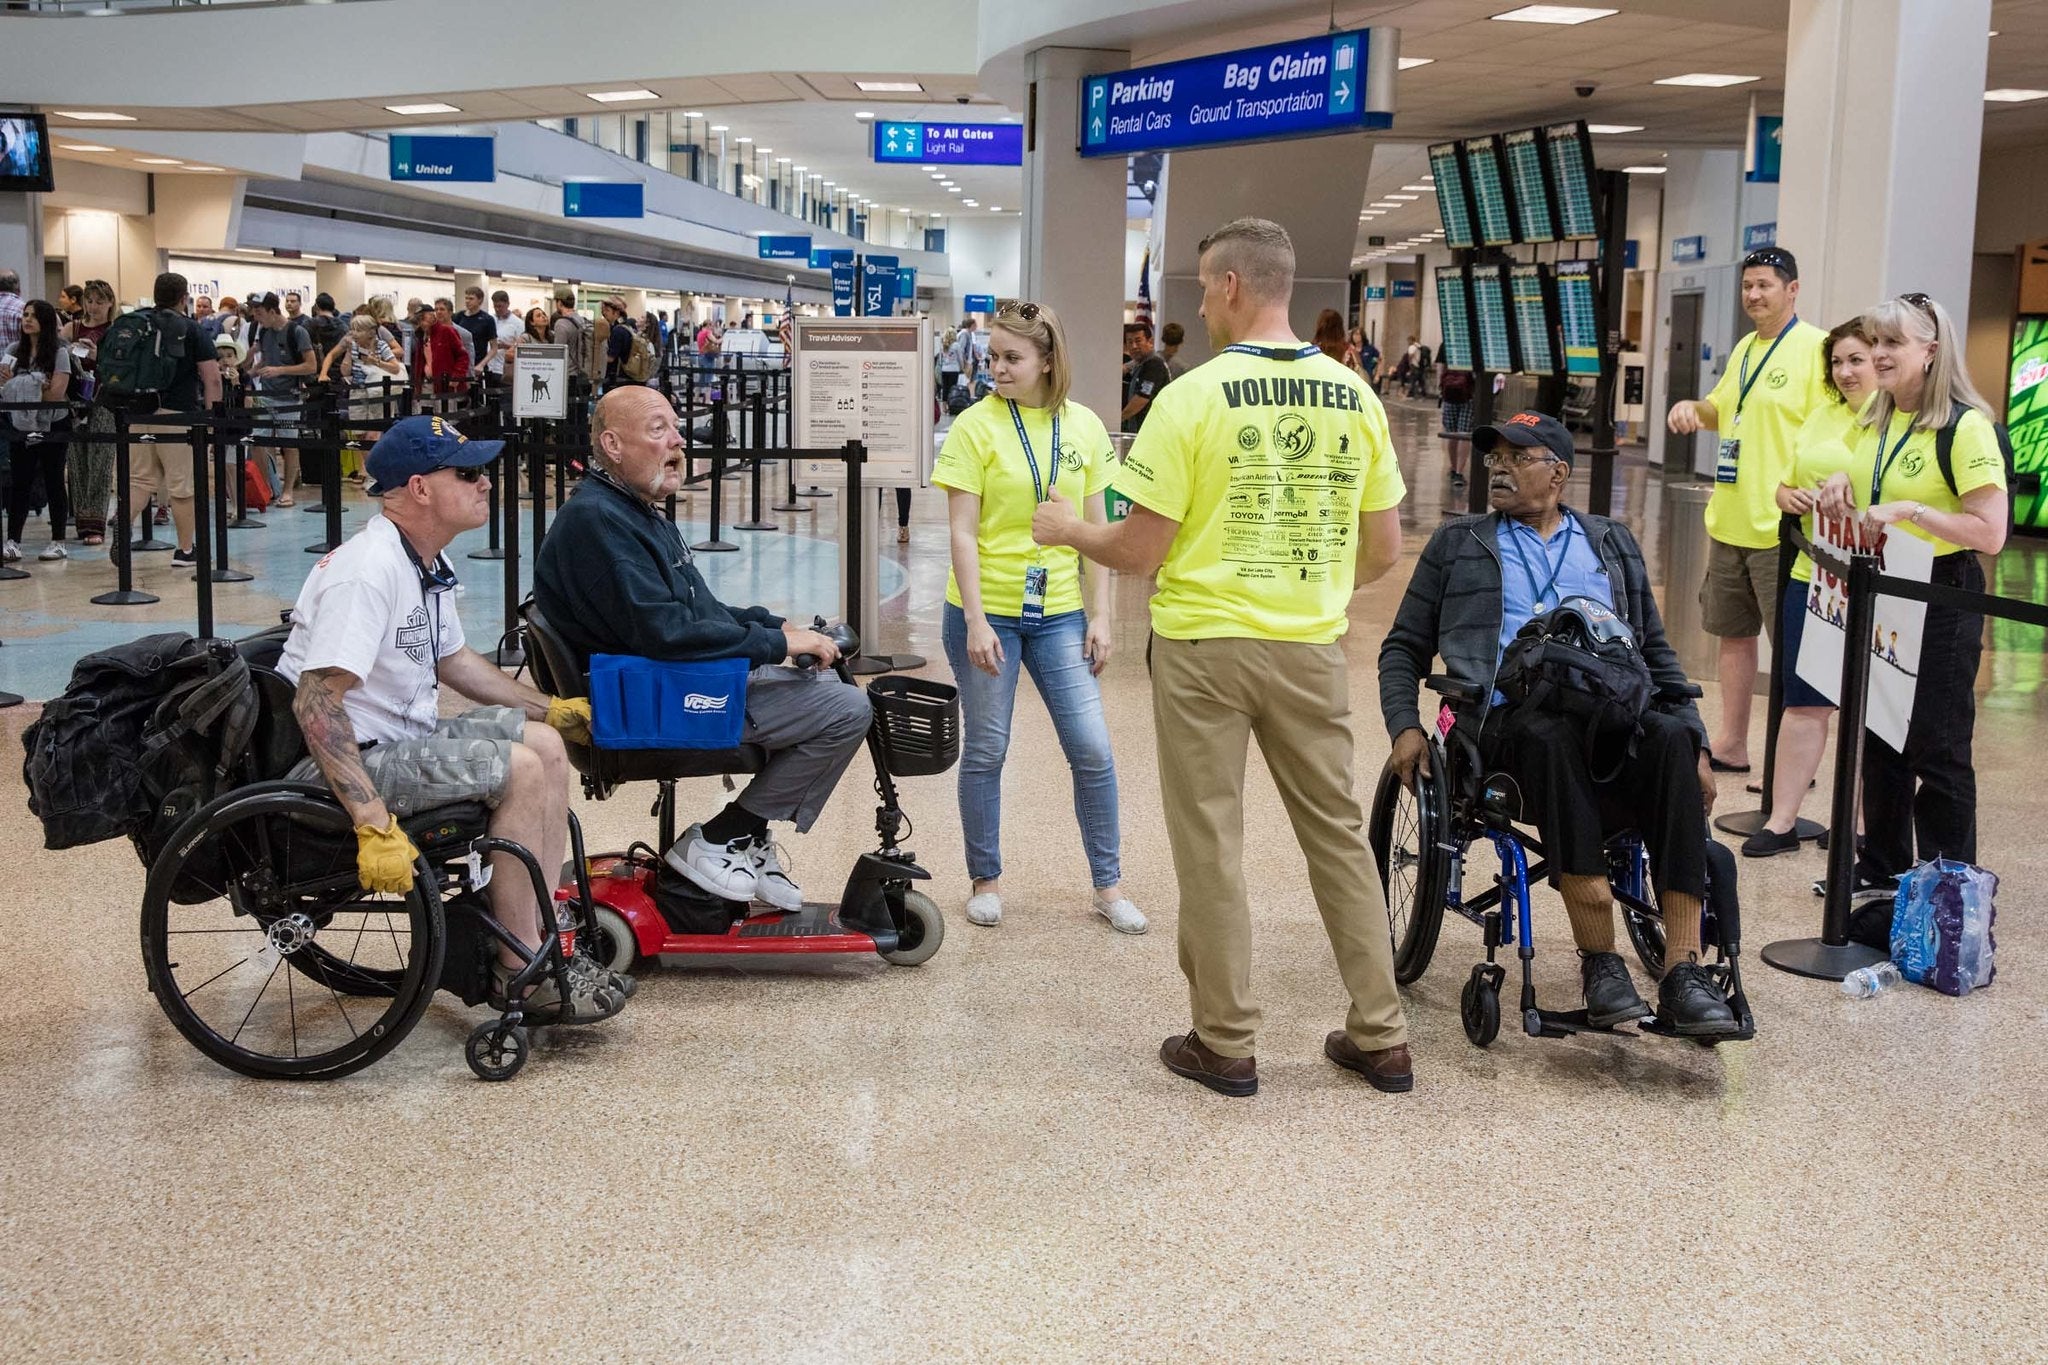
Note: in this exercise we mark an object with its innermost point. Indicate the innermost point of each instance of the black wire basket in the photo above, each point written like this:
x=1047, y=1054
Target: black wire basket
x=919, y=724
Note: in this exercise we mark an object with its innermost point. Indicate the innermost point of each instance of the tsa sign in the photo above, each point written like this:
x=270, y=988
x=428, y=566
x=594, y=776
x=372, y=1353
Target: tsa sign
x=1295, y=89
x=950, y=144
x=443, y=158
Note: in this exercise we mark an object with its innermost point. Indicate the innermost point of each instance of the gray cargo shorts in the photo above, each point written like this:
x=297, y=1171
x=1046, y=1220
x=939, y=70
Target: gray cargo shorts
x=466, y=758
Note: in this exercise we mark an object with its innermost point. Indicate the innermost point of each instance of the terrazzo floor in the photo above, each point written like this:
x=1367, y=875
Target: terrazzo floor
x=981, y=1158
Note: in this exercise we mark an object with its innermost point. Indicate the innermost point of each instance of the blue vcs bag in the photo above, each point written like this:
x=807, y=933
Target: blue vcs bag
x=655, y=704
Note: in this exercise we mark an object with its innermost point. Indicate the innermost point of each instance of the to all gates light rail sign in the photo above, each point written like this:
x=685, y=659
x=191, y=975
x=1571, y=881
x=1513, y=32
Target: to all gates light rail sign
x=950, y=144
x=1298, y=89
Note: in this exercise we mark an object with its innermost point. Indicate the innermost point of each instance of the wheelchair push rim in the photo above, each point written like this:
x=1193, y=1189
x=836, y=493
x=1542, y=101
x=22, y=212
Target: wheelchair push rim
x=262, y=880
x=1406, y=831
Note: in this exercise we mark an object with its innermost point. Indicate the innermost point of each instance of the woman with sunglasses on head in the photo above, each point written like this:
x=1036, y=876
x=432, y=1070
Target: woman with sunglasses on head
x=1012, y=604
x=1927, y=793
x=1821, y=451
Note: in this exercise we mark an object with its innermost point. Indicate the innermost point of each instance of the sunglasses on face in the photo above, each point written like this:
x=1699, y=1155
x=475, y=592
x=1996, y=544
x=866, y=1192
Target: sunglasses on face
x=467, y=473
x=1516, y=457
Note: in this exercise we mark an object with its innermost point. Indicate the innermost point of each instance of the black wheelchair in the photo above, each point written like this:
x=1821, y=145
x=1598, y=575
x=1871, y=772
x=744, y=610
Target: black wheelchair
x=267, y=954
x=1420, y=836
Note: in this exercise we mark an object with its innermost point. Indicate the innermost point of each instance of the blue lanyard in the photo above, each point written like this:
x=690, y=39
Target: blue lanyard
x=1041, y=491
x=1272, y=352
x=1538, y=596
x=1883, y=465
x=1747, y=383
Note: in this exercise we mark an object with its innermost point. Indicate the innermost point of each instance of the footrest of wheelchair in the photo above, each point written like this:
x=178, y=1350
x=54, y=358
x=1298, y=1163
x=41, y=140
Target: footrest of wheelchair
x=1746, y=1030
x=1564, y=1023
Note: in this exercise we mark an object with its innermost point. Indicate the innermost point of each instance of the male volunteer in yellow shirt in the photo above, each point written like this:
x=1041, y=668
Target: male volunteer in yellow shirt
x=1771, y=385
x=1264, y=491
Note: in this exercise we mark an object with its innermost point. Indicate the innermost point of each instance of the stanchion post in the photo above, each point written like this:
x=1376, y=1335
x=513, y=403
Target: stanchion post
x=330, y=476
x=1831, y=956
x=124, y=593
x=510, y=655
x=536, y=479
x=720, y=440
x=758, y=411
x=1748, y=822
x=243, y=521
x=223, y=474
x=202, y=529
x=146, y=541
x=497, y=401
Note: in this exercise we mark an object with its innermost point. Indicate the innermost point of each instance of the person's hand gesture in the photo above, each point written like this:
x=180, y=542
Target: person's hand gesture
x=1684, y=419
x=1054, y=520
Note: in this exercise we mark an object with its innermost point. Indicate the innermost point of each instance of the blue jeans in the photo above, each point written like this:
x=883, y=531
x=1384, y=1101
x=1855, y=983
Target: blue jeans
x=1052, y=651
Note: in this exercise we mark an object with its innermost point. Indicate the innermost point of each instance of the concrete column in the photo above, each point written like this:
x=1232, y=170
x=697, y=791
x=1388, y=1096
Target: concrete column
x=21, y=240
x=1884, y=123
x=1074, y=223
x=1312, y=187
x=344, y=280
x=466, y=279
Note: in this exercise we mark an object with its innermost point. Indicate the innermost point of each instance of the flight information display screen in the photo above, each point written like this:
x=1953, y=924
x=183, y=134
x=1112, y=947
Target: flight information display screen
x=1454, y=311
x=1490, y=310
x=1489, y=191
x=1452, y=198
x=1579, y=317
x=1533, y=319
x=1534, y=221
x=1569, y=148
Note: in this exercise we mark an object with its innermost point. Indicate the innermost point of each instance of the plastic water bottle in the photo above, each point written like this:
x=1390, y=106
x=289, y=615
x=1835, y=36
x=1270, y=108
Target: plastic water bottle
x=1865, y=982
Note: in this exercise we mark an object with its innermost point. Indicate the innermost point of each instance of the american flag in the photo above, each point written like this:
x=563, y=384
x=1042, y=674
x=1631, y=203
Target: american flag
x=1145, y=289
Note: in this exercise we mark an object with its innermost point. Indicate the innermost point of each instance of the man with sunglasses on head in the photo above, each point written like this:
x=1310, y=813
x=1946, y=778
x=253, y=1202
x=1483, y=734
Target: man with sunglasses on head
x=1479, y=581
x=375, y=633
x=1772, y=383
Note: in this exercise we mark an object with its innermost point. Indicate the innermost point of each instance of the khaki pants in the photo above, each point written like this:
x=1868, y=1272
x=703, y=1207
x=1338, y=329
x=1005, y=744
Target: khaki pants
x=164, y=463
x=1208, y=698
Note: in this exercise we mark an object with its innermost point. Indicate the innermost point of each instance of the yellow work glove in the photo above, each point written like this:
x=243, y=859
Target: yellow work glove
x=384, y=858
x=570, y=717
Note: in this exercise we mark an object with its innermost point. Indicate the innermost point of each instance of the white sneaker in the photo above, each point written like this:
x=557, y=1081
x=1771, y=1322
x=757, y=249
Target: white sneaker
x=10, y=552
x=772, y=885
x=725, y=870
x=1123, y=916
x=54, y=551
x=985, y=908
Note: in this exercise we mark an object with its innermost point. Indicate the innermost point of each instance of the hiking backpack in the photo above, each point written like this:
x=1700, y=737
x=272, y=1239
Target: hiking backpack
x=139, y=358
x=638, y=365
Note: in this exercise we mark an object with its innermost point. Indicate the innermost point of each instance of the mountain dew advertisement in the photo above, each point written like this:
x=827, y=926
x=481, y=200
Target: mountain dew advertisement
x=2026, y=417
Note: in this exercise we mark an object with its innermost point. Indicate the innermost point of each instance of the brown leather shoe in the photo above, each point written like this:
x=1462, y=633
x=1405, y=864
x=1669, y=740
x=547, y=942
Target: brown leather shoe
x=1389, y=1069
x=1184, y=1055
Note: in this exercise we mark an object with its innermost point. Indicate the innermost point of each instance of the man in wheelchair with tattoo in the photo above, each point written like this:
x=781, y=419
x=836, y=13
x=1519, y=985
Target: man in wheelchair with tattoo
x=374, y=635
x=1479, y=581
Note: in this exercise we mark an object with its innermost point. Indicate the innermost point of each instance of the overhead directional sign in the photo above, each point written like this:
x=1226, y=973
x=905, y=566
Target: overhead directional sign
x=878, y=286
x=981, y=303
x=603, y=199
x=906, y=283
x=1298, y=89
x=951, y=144
x=443, y=158
x=774, y=248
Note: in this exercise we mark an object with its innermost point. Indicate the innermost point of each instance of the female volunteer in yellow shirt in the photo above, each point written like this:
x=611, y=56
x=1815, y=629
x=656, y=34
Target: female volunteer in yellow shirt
x=1011, y=602
x=1895, y=478
x=1821, y=450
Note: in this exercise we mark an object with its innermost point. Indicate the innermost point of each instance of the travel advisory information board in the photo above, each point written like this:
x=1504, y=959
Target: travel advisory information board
x=870, y=380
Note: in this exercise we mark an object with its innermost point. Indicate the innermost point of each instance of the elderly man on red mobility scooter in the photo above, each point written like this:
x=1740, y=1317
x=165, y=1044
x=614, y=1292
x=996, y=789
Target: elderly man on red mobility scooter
x=615, y=576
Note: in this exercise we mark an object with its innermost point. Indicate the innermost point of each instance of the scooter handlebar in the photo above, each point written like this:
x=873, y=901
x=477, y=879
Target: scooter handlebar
x=842, y=637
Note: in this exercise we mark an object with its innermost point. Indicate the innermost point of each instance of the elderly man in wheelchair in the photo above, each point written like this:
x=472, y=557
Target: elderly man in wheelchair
x=1600, y=791
x=374, y=635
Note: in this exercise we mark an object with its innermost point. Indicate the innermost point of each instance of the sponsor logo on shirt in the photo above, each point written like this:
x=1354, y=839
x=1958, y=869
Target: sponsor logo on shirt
x=1913, y=462
x=1776, y=379
x=1247, y=438
x=1293, y=437
x=698, y=701
x=415, y=637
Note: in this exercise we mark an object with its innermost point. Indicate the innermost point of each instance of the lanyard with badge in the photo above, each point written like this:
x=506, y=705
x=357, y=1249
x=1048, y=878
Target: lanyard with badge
x=1539, y=596
x=1036, y=574
x=1883, y=464
x=1272, y=352
x=1731, y=445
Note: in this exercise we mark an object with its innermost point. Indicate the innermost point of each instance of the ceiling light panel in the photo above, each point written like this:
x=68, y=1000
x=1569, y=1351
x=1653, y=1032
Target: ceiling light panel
x=1614, y=127
x=2010, y=96
x=1410, y=63
x=1554, y=14
x=621, y=96
x=94, y=116
x=1707, y=80
x=890, y=87
x=1643, y=170
x=435, y=107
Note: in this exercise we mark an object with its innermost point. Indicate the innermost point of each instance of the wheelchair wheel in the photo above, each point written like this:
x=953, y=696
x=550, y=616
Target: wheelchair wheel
x=267, y=878
x=1406, y=831
x=924, y=929
x=1646, y=932
x=1479, y=1005
x=496, y=1051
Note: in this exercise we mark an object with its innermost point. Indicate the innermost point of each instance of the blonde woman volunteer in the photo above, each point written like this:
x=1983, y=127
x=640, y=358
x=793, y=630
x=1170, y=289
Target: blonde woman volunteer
x=1928, y=793
x=1011, y=604
x=1821, y=450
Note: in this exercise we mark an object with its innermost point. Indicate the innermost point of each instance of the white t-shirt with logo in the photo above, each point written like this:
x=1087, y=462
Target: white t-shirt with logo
x=363, y=610
x=511, y=327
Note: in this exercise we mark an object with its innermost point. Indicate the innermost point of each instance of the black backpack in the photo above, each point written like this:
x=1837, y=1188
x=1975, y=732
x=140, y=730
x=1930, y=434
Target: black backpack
x=139, y=358
x=144, y=734
x=1945, y=457
x=1580, y=659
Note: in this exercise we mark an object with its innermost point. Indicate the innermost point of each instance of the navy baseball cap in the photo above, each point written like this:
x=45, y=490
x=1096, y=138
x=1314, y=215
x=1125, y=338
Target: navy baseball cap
x=421, y=445
x=1527, y=429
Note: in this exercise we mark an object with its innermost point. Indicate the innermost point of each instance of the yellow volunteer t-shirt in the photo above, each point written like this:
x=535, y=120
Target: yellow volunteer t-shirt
x=1822, y=450
x=1785, y=391
x=1266, y=464
x=1915, y=475
x=983, y=456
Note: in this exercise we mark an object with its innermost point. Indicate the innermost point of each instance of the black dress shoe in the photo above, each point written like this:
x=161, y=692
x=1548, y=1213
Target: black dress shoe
x=1610, y=995
x=1689, y=1001
x=1767, y=843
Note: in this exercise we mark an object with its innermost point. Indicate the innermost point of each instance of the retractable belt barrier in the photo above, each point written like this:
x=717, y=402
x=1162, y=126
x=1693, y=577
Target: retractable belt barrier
x=1831, y=956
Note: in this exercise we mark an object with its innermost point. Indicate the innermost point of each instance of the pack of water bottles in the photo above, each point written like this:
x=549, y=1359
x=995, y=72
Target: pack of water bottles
x=1941, y=926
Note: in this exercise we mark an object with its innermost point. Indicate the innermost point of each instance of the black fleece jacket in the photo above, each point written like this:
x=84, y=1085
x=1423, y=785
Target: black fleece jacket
x=614, y=576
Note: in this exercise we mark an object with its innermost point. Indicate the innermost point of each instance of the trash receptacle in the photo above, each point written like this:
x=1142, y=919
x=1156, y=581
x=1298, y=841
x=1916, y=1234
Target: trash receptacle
x=1117, y=507
x=1685, y=569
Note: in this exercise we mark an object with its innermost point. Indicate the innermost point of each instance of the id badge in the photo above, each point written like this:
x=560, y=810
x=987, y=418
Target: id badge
x=1035, y=577
x=1724, y=468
